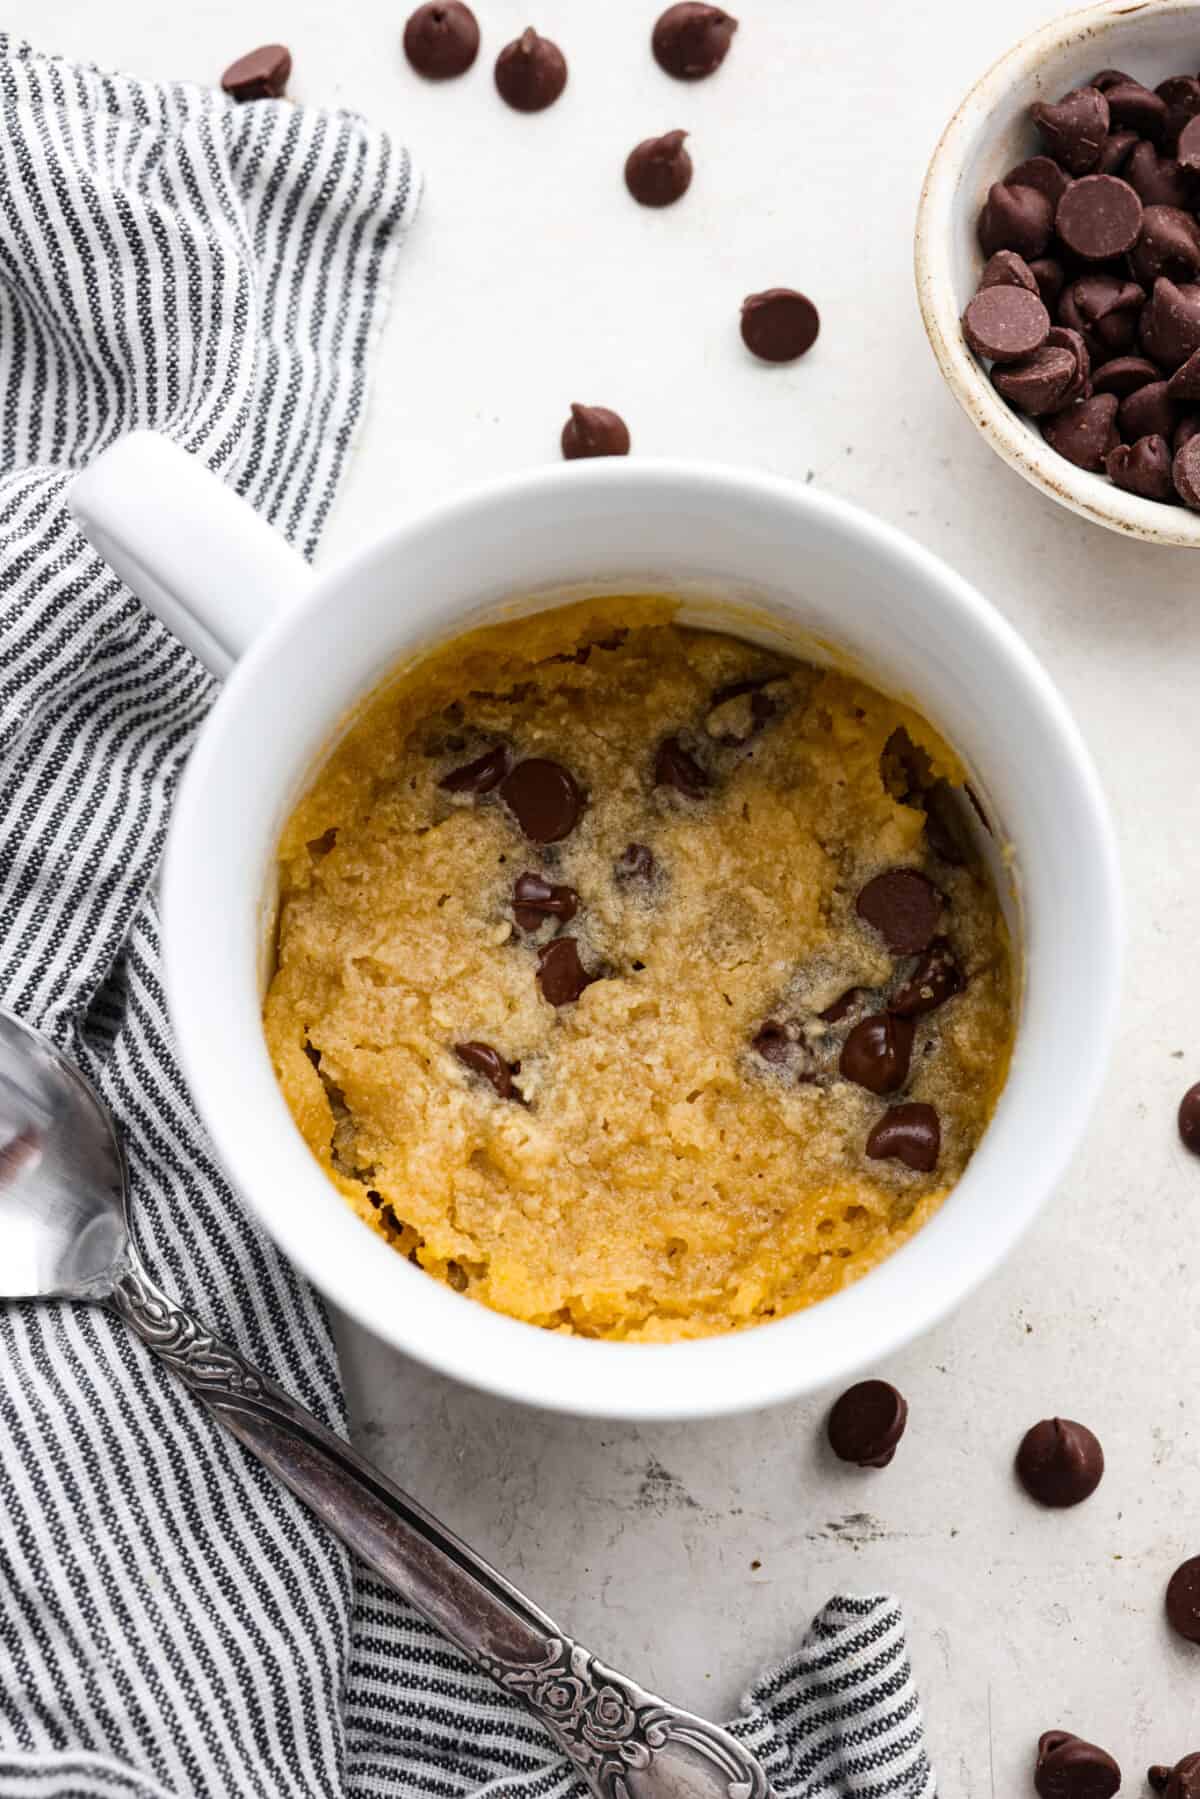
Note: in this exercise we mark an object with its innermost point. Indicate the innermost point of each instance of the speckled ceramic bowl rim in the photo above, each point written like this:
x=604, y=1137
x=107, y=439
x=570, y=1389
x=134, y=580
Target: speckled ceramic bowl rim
x=942, y=195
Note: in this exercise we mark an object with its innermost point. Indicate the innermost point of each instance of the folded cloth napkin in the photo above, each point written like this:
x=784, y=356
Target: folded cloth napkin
x=171, y=1621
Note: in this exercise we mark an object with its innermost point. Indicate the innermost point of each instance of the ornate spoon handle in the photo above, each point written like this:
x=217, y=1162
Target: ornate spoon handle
x=626, y=1743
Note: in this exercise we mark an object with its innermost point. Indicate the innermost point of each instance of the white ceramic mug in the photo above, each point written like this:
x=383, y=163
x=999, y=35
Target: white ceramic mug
x=795, y=568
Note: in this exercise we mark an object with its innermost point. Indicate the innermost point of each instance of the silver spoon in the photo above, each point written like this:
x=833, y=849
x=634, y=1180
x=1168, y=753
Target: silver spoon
x=64, y=1234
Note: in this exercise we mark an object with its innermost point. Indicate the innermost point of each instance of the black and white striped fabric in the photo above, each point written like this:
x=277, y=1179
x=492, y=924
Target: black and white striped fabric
x=171, y=1622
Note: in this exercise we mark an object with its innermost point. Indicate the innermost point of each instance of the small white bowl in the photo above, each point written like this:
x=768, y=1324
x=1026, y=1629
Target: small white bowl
x=990, y=133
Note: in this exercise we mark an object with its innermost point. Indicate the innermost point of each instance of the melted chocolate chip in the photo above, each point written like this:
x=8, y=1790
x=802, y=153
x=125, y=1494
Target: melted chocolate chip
x=866, y=1423
x=674, y=767
x=261, y=74
x=536, y=899
x=690, y=41
x=544, y=798
x=877, y=1053
x=594, y=431
x=774, y=1041
x=531, y=72
x=936, y=978
x=658, y=171
x=482, y=1059
x=1188, y=1119
x=635, y=863
x=779, y=324
x=441, y=40
x=1183, y=1599
x=945, y=828
x=844, y=1004
x=1069, y=1768
x=481, y=775
x=904, y=908
x=909, y=1133
x=561, y=975
x=1059, y=1462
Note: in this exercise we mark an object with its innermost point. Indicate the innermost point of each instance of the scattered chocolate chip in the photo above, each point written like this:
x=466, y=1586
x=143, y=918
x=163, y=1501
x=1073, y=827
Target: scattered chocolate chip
x=1099, y=216
x=1114, y=152
x=1132, y=107
x=936, y=978
x=1187, y=149
x=441, y=40
x=1185, y=382
x=1148, y=412
x=561, y=975
x=1051, y=278
x=1180, y=1782
x=594, y=431
x=1185, y=473
x=1123, y=375
x=1169, y=245
x=1042, y=173
x=691, y=41
x=482, y=1059
x=841, y=1007
x=261, y=74
x=866, y=1423
x=1085, y=432
x=1183, y=1599
x=1069, y=1768
x=904, y=908
x=1039, y=383
x=1059, y=1463
x=910, y=1133
x=635, y=863
x=531, y=72
x=1170, y=324
x=877, y=1053
x=1007, y=269
x=1142, y=468
x=779, y=324
x=1156, y=180
x=1189, y=1119
x=1005, y=323
x=544, y=798
x=658, y=171
x=1074, y=130
x=674, y=767
x=1015, y=218
x=536, y=899
x=481, y=775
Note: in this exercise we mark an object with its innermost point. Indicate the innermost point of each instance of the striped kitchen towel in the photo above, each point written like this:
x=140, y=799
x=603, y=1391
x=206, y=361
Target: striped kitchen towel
x=172, y=1622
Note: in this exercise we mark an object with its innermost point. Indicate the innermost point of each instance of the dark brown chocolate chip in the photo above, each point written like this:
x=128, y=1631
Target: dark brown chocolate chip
x=1187, y=150
x=910, y=1133
x=1039, y=383
x=1185, y=473
x=1123, y=375
x=544, y=798
x=594, y=431
x=1069, y=1768
x=1015, y=218
x=531, y=72
x=1007, y=269
x=1183, y=1599
x=1074, y=130
x=779, y=324
x=1157, y=180
x=1099, y=216
x=1169, y=245
x=866, y=1423
x=1148, y=412
x=690, y=41
x=775, y=1041
x=441, y=40
x=635, y=863
x=1189, y=1119
x=1042, y=173
x=1170, y=324
x=1084, y=433
x=1180, y=95
x=1059, y=1463
x=936, y=978
x=482, y=1059
x=1115, y=152
x=561, y=975
x=261, y=74
x=1061, y=337
x=904, y=908
x=1050, y=277
x=658, y=171
x=1104, y=310
x=877, y=1053
x=1109, y=78
x=1157, y=1777
x=945, y=826
x=1187, y=428
x=841, y=1007
x=1185, y=382
x=675, y=767
x=481, y=775
x=1005, y=323
x=1142, y=468
x=1180, y=1782
x=536, y=899
x=1132, y=107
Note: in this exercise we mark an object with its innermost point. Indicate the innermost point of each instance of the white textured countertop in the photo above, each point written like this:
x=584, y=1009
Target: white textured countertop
x=693, y=1554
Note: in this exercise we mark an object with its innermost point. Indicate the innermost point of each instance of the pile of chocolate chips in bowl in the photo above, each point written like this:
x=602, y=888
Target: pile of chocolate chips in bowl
x=1088, y=308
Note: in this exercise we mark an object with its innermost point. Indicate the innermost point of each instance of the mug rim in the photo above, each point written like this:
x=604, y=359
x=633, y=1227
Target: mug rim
x=712, y=1376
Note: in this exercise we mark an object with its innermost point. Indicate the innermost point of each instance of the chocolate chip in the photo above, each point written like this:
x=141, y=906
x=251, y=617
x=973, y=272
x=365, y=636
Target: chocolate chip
x=658, y=171
x=936, y=978
x=482, y=1059
x=1183, y=1600
x=1042, y=173
x=1104, y=310
x=1069, y=1768
x=779, y=324
x=441, y=40
x=877, y=1053
x=1142, y=468
x=1005, y=323
x=1084, y=433
x=1007, y=269
x=1132, y=107
x=561, y=975
x=1189, y=1119
x=1169, y=245
x=1157, y=1778
x=1181, y=96
x=1187, y=428
x=531, y=72
x=1185, y=473
x=1114, y=152
x=536, y=899
x=904, y=908
x=481, y=775
x=261, y=74
x=594, y=431
x=1170, y=324
x=1123, y=375
x=1180, y=1782
x=674, y=767
x=691, y=41
x=1187, y=150
x=1015, y=218
x=635, y=863
x=1059, y=1462
x=1185, y=382
x=1074, y=130
x=1099, y=216
x=544, y=798
x=945, y=827
x=1050, y=277
x=1157, y=180
x=844, y=1004
x=1148, y=412
x=910, y=1133
x=1061, y=337
x=1039, y=383
x=775, y=1041
x=866, y=1423
x=1109, y=78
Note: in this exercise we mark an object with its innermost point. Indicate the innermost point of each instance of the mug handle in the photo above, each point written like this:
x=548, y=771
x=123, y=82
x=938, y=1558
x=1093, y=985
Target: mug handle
x=213, y=571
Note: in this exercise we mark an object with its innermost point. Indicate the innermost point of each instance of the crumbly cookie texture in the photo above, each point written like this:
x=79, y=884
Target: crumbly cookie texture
x=677, y=1151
